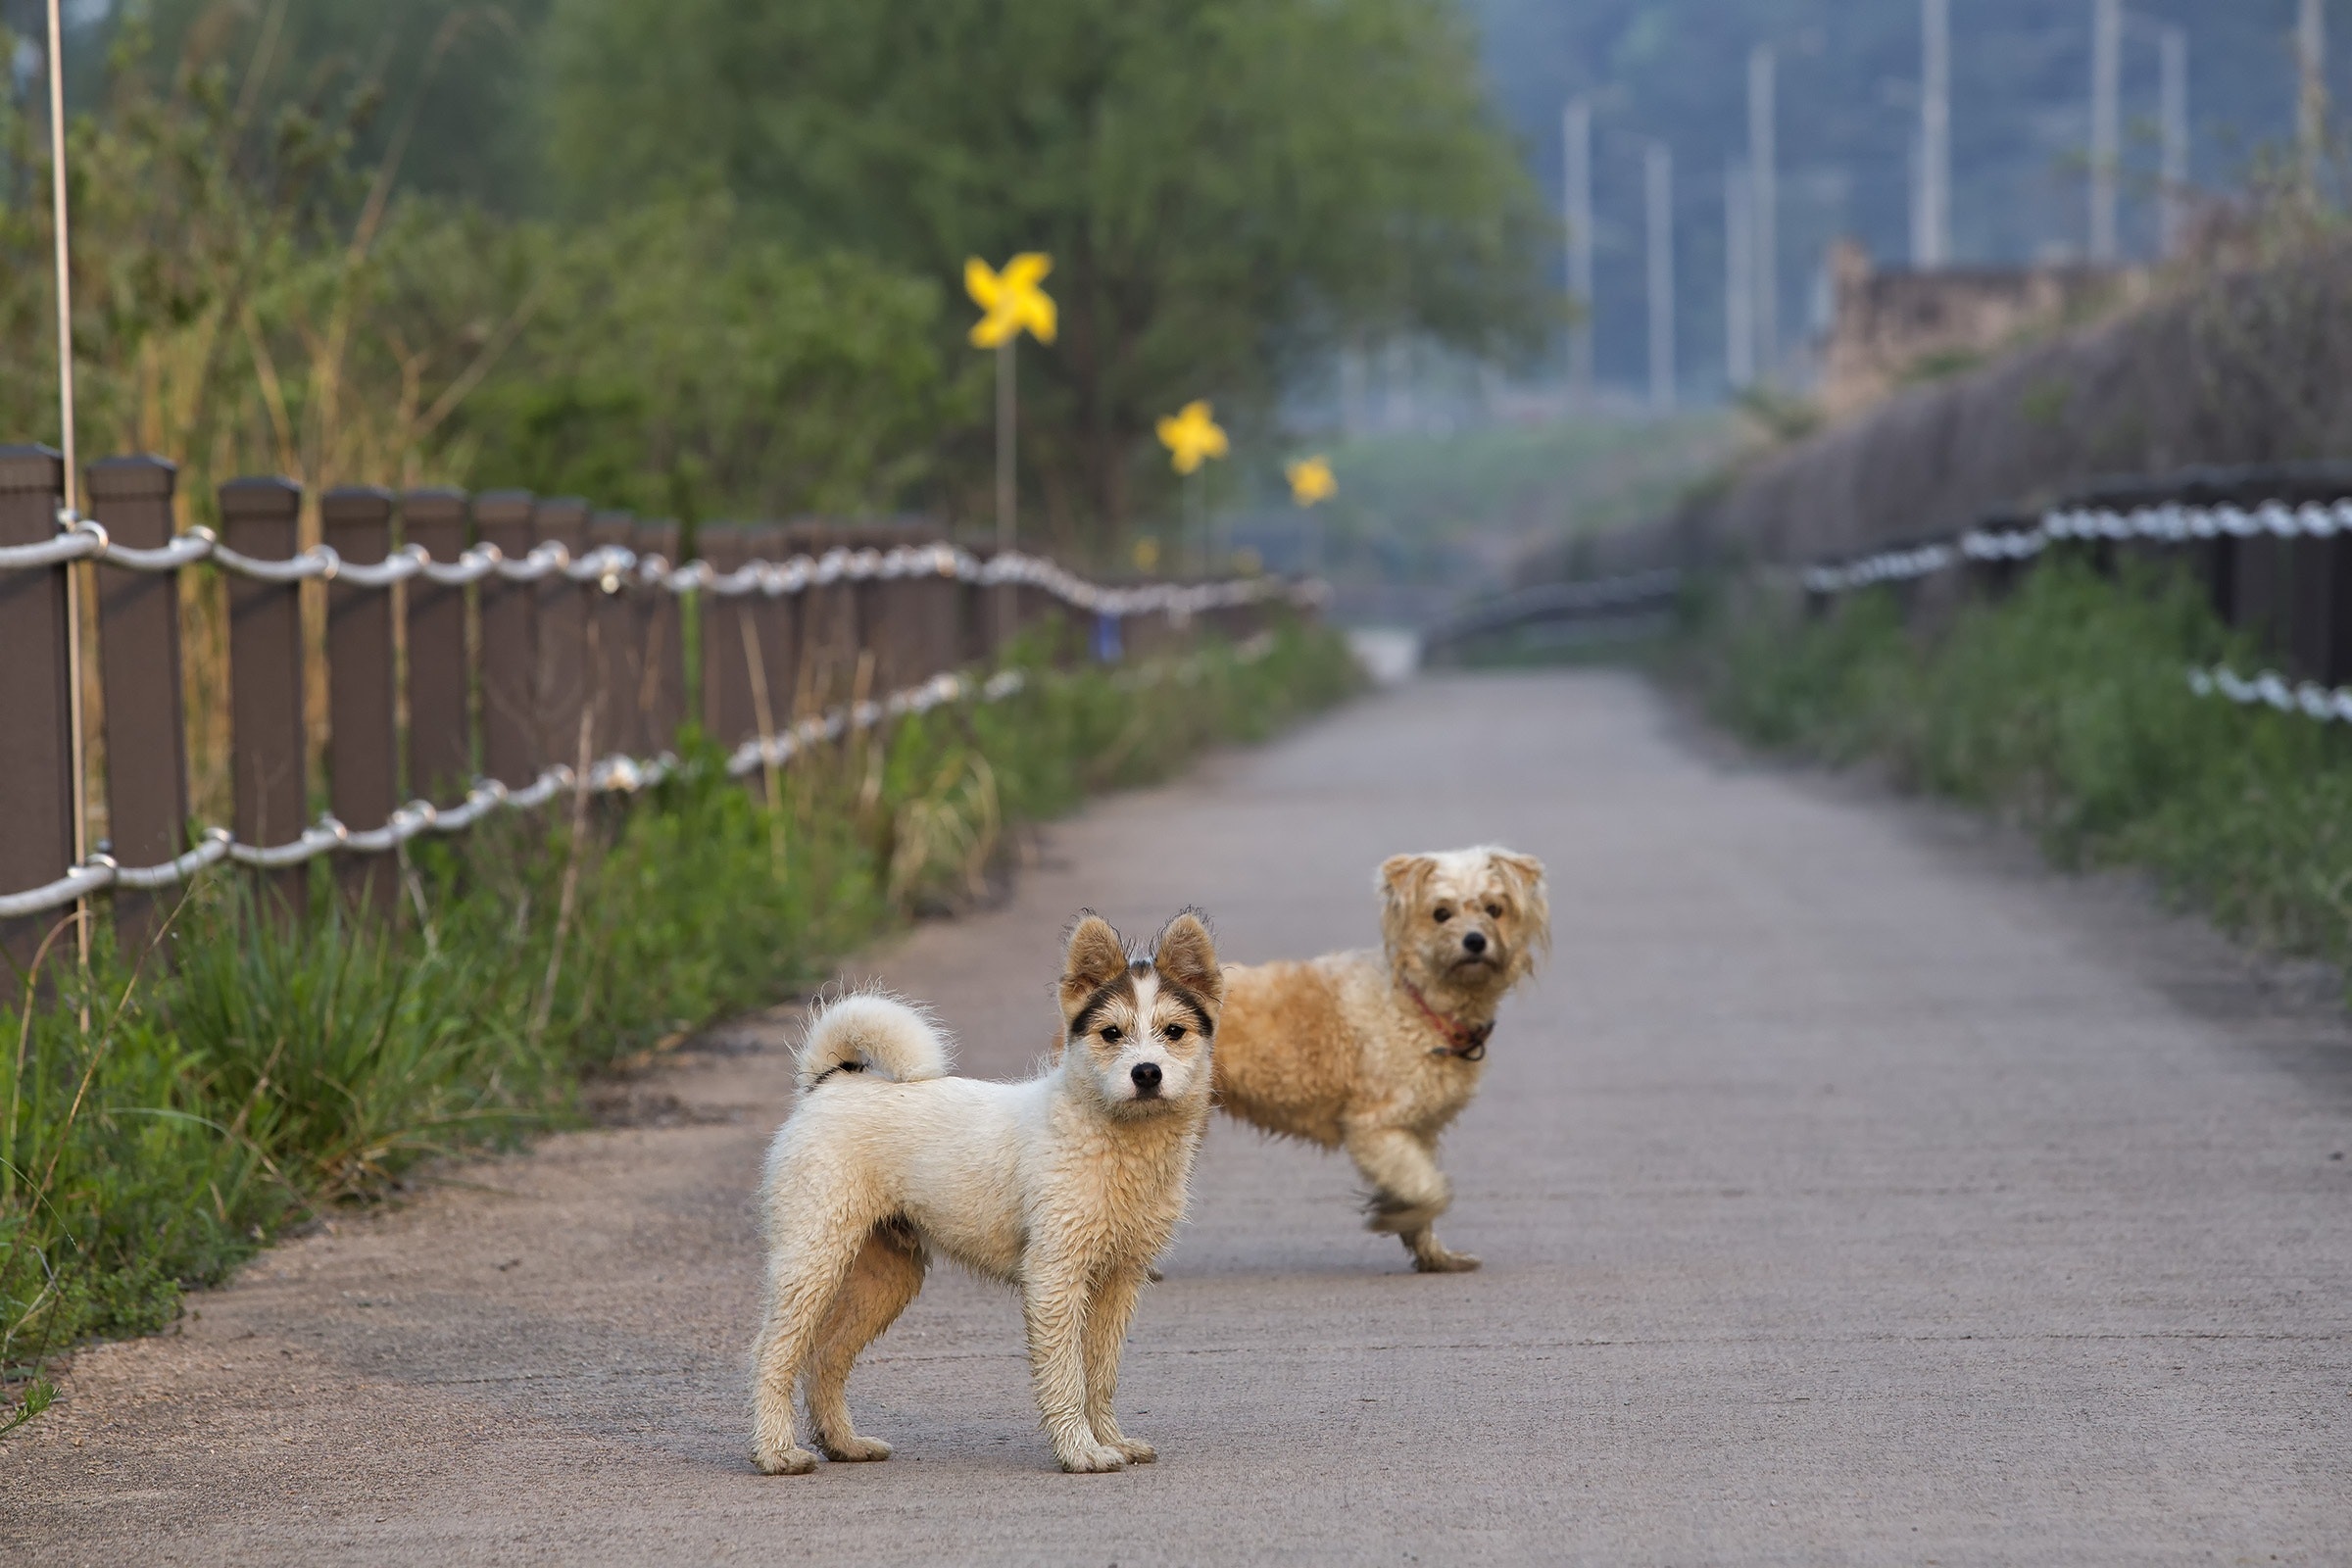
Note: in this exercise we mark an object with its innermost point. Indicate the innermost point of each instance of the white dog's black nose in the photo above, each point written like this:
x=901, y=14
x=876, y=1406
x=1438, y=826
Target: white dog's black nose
x=1474, y=941
x=1147, y=1079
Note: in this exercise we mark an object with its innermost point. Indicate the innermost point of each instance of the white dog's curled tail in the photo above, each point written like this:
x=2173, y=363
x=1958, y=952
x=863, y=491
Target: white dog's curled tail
x=867, y=1030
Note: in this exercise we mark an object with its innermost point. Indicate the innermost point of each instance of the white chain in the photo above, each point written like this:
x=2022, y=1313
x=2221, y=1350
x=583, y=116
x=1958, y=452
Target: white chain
x=613, y=568
x=2171, y=523
x=2272, y=689
x=613, y=774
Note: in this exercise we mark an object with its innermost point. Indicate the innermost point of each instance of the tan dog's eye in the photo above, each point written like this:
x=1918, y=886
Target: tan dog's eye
x=1110, y=1034
x=1494, y=909
x=1442, y=916
x=1175, y=1031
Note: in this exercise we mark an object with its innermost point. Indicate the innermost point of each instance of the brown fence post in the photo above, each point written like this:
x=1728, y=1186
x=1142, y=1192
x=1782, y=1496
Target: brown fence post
x=440, y=739
x=661, y=695
x=618, y=663
x=728, y=717
x=362, y=726
x=36, y=714
x=509, y=618
x=259, y=518
x=560, y=685
x=139, y=646
x=776, y=623
x=830, y=636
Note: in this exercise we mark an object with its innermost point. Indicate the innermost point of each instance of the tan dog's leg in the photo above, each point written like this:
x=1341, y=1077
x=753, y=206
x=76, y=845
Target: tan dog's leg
x=1053, y=1303
x=801, y=1284
x=1408, y=1193
x=887, y=1275
x=1107, y=1320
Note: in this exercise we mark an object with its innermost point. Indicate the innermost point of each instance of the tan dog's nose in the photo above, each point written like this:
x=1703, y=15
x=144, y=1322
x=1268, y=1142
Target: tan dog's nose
x=1474, y=943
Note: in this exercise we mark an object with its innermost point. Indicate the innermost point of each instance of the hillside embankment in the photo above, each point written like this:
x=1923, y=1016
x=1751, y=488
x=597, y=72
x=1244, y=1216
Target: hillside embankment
x=2251, y=365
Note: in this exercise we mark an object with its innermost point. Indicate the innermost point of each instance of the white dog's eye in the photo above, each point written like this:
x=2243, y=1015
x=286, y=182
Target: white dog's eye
x=1175, y=1031
x=1442, y=916
x=1110, y=1034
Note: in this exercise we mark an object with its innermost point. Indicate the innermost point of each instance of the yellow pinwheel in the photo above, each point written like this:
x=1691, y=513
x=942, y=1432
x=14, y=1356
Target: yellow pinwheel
x=1191, y=437
x=1310, y=480
x=1011, y=300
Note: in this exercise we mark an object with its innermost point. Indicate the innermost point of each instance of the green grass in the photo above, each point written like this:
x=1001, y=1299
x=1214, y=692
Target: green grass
x=2065, y=707
x=274, y=1068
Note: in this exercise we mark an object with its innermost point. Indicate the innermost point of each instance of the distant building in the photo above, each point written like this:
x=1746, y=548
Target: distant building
x=1889, y=330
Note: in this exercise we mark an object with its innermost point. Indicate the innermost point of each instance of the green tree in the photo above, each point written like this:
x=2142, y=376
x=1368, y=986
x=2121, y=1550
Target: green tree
x=1230, y=188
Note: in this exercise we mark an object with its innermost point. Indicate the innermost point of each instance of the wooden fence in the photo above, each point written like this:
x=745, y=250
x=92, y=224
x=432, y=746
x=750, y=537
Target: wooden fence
x=478, y=651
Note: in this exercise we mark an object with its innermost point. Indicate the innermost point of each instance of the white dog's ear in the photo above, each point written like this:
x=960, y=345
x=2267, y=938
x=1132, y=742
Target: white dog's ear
x=1185, y=952
x=1403, y=876
x=1095, y=958
x=1526, y=875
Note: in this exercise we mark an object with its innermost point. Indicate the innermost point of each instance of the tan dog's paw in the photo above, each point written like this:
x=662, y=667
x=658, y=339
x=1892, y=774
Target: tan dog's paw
x=1435, y=1260
x=1093, y=1459
x=784, y=1461
x=855, y=1450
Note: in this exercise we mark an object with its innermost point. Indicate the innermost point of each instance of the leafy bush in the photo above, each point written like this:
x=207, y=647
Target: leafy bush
x=2066, y=707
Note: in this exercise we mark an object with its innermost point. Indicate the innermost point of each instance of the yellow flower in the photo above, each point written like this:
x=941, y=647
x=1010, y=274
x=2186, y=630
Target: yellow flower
x=1311, y=480
x=1191, y=437
x=1147, y=552
x=1011, y=299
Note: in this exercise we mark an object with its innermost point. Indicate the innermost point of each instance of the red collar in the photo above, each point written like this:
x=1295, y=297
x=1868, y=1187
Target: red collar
x=1464, y=1041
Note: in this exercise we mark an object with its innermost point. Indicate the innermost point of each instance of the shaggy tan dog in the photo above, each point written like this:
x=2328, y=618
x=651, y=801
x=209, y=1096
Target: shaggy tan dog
x=1066, y=1185
x=1377, y=1052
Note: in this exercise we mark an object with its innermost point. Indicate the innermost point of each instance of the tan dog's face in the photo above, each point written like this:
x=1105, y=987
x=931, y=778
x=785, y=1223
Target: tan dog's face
x=1469, y=921
x=1139, y=1029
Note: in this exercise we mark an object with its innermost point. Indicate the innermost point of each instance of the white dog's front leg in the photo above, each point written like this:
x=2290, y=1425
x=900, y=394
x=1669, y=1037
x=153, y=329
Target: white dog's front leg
x=1107, y=1320
x=1408, y=1193
x=1053, y=1303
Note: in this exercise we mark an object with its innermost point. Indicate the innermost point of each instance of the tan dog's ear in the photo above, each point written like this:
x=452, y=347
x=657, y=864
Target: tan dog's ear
x=1184, y=953
x=1403, y=876
x=1526, y=875
x=1095, y=958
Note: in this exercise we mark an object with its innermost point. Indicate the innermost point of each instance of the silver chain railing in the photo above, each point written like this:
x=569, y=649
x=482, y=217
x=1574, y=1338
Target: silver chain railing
x=615, y=567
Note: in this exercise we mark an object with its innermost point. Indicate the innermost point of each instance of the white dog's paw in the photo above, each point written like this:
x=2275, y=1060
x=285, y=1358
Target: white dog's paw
x=1435, y=1260
x=1137, y=1452
x=1093, y=1459
x=784, y=1461
x=853, y=1449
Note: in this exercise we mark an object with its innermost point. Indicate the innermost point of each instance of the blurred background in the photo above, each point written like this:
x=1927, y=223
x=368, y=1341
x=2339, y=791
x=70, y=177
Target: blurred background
x=1520, y=269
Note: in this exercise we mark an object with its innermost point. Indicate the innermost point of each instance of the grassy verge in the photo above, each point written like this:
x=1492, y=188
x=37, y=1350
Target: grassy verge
x=274, y=1067
x=2065, y=707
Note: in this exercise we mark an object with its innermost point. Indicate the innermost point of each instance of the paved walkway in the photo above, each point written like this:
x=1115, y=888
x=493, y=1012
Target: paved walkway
x=1850, y=1191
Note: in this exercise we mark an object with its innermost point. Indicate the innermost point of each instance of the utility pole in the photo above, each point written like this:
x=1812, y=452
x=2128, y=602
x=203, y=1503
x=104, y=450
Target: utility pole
x=1577, y=143
x=1738, y=279
x=2311, y=120
x=2106, y=124
x=1932, y=246
x=1764, y=160
x=2172, y=45
x=1658, y=186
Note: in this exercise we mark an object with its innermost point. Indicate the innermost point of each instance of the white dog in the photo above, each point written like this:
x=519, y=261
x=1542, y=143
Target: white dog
x=1377, y=1052
x=1066, y=1185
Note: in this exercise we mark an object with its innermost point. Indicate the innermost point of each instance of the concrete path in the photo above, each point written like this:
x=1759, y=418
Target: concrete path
x=1850, y=1191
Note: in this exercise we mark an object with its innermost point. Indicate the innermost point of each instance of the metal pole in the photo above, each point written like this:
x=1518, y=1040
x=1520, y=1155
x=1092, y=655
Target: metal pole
x=2172, y=44
x=1739, y=281
x=2106, y=124
x=1007, y=532
x=1577, y=133
x=2311, y=121
x=1934, y=136
x=1658, y=186
x=71, y=489
x=1762, y=132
